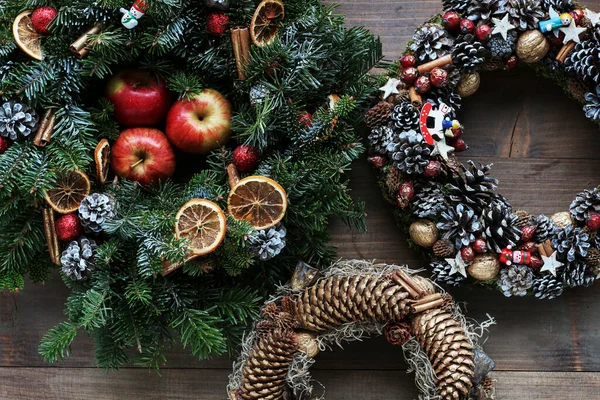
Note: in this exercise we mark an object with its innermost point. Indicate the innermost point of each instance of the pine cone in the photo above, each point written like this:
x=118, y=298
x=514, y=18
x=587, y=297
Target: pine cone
x=405, y=117
x=449, y=349
x=484, y=10
x=592, y=105
x=337, y=300
x=545, y=229
x=429, y=199
x=459, y=6
x=547, y=287
x=501, y=48
x=492, y=64
x=17, y=120
x=525, y=14
x=499, y=228
x=265, y=371
x=393, y=179
x=571, y=243
x=558, y=5
x=443, y=249
x=445, y=95
x=431, y=41
x=411, y=155
x=381, y=137
x=585, y=202
x=473, y=186
x=459, y=224
x=593, y=257
x=268, y=243
x=578, y=274
x=397, y=333
x=584, y=60
x=380, y=114
x=467, y=55
x=95, y=210
x=523, y=219
x=515, y=280
x=77, y=260
x=441, y=274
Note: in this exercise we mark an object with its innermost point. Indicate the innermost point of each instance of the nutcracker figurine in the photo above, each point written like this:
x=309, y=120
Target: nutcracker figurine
x=556, y=21
x=508, y=257
x=130, y=18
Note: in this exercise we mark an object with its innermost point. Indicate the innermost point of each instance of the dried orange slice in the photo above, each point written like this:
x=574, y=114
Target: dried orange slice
x=203, y=223
x=265, y=22
x=69, y=191
x=26, y=37
x=258, y=200
x=102, y=159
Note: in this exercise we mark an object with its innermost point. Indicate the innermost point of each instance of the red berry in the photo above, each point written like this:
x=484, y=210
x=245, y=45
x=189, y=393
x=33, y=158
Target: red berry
x=377, y=161
x=467, y=253
x=438, y=77
x=527, y=233
x=451, y=20
x=217, y=23
x=536, y=262
x=432, y=169
x=405, y=194
x=459, y=145
x=68, y=227
x=467, y=26
x=483, y=32
x=593, y=222
x=512, y=61
x=410, y=75
x=423, y=84
x=41, y=18
x=245, y=157
x=577, y=14
x=306, y=119
x=4, y=144
x=408, y=60
x=479, y=245
x=457, y=132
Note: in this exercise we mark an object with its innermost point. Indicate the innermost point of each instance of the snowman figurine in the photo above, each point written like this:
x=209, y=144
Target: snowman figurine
x=137, y=11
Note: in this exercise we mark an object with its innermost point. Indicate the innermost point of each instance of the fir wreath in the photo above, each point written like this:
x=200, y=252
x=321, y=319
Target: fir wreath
x=453, y=210
x=53, y=124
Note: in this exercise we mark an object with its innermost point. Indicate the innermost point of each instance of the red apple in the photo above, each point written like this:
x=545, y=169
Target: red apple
x=139, y=97
x=144, y=155
x=201, y=124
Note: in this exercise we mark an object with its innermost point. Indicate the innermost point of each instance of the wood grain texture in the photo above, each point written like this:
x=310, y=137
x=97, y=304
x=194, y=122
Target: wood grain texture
x=544, y=152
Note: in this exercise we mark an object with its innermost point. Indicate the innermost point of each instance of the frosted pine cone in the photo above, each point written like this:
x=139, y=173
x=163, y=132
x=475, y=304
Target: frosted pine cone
x=405, y=117
x=584, y=60
x=17, y=120
x=484, y=10
x=578, y=274
x=473, y=186
x=545, y=229
x=268, y=243
x=429, y=199
x=95, y=210
x=441, y=274
x=499, y=228
x=411, y=155
x=380, y=138
x=431, y=41
x=525, y=14
x=467, y=55
x=459, y=224
x=455, y=5
x=77, y=260
x=571, y=243
x=586, y=202
x=515, y=280
x=547, y=287
x=592, y=105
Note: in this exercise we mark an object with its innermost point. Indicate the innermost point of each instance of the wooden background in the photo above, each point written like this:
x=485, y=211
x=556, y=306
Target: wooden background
x=544, y=151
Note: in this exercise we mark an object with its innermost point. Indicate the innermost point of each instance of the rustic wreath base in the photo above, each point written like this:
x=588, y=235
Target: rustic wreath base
x=349, y=301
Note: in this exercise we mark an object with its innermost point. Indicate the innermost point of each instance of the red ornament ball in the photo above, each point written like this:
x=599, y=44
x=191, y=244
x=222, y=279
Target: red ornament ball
x=512, y=61
x=410, y=75
x=438, y=77
x=422, y=85
x=577, y=14
x=528, y=246
x=68, y=228
x=483, y=32
x=408, y=60
x=459, y=145
x=451, y=20
x=405, y=194
x=41, y=18
x=536, y=262
x=467, y=253
x=306, y=119
x=377, y=161
x=457, y=132
x=467, y=26
x=432, y=169
x=479, y=245
x=593, y=222
x=245, y=157
x=527, y=232
x=4, y=144
x=217, y=23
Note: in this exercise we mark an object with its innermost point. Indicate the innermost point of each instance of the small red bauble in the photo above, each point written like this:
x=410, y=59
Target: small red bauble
x=467, y=26
x=408, y=60
x=467, y=253
x=527, y=233
x=577, y=14
x=4, y=144
x=535, y=262
x=438, y=77
x=483, y=32
x=451, y=20
x=245, y=157
x=68, y=228
x=528, y=246
x=41, y=18
x=593, y=222
x=306, y=119
x=459, y=145
x=422, y=85
x=512, y=61
x=432, y=169
x=479, y=245
x=457, y=132
x=377, y=161
x=405, y=194
x=217, y=23
x=410, y=75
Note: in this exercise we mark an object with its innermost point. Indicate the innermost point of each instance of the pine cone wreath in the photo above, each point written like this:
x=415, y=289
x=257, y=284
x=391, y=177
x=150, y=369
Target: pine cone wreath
x=547, y=287
x=380, y=114
x=592, y=105
x=467, y=55
x=525, y=14
x=381, y=137
x=411, y=154
x=499, y=228
x=571, y=243
x=482, y=11
x=77, y=260
x=515, y=280
x=585, y=202
x=459, y=225
x=545, y=229
x=17, y=120
x=430, y=42
x=429, y=200
x=584, y=60
x=442, y=274
x=578, y=274
x=405, y=117
x=95, y=210
x=449, y=349
x=459, y=6
x=268, y=243
x=473, y=187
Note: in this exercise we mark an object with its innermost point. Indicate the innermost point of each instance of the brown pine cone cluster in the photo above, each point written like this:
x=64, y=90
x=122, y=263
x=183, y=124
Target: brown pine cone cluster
x=449, y=350
x=341, y=299
x=380, y=114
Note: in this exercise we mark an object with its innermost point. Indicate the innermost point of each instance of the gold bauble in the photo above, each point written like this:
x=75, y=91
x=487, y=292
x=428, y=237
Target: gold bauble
x=468, y=85
x=484, y=267
x=562, y=219
x=423, y=232
x=307, y=343
x=532, y=46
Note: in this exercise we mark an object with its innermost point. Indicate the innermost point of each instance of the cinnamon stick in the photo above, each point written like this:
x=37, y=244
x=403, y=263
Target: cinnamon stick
x=240, y=39
x=415, y=98
x=51, y=239
x=438, y=62
x=404, y=280
x=79, y=47
x=545, y=249
x=420, y=307
x=44, y=132
x=234, y=175
x=564, y=51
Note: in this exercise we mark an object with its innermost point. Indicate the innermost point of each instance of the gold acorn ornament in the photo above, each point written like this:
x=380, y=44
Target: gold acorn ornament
x=423, y=232
x=484, y=267
x=468, y=84
x=562, y=219
x=307, y=343
x=532, y=46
